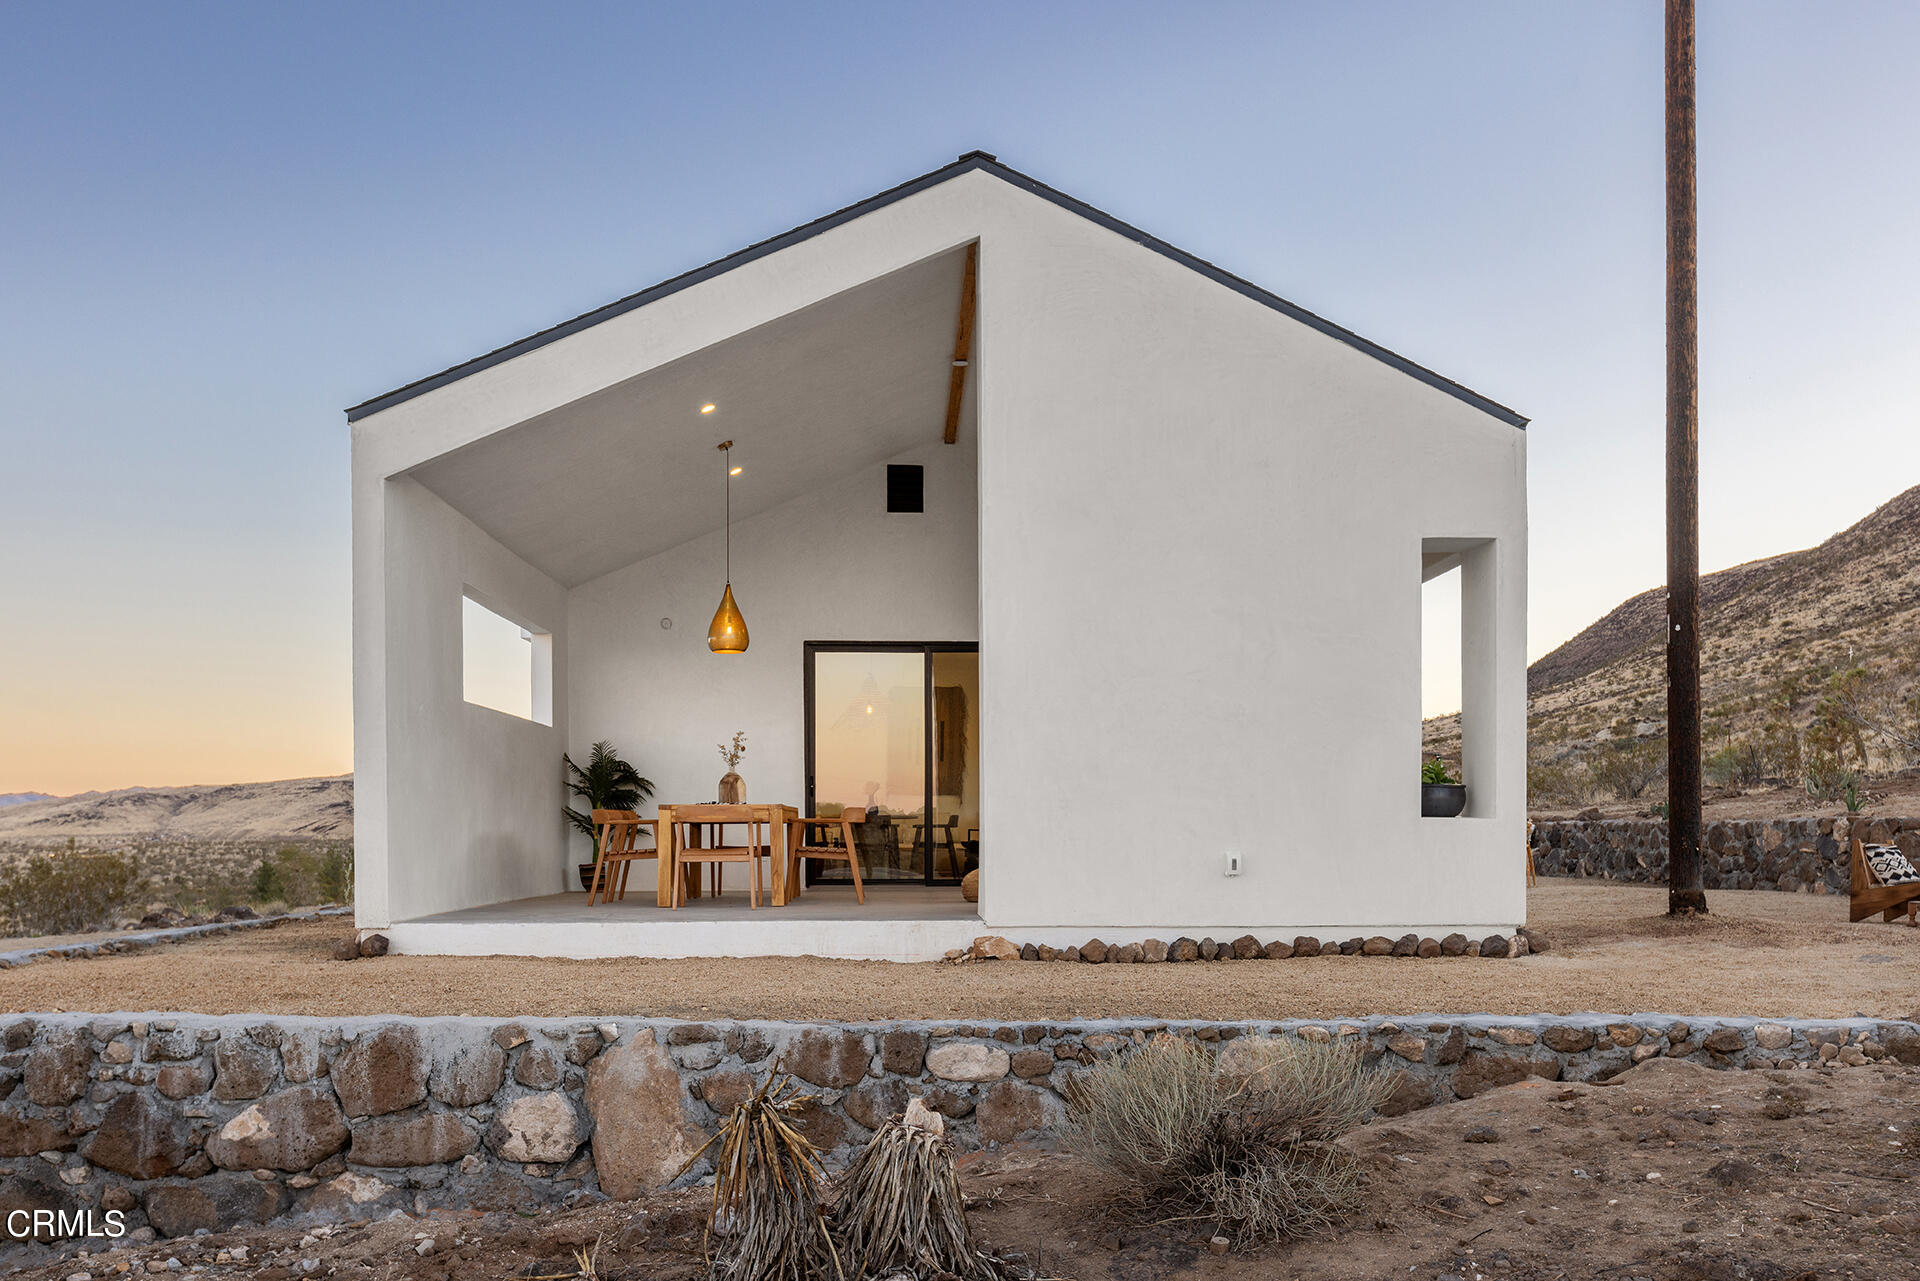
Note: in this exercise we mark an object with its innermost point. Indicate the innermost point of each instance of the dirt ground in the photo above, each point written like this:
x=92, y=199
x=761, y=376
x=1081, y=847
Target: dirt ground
x=1674, y=1172
x=1612, y=949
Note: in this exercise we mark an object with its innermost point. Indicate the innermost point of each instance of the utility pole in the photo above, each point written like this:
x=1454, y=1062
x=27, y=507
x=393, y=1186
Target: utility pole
x=1686, y=893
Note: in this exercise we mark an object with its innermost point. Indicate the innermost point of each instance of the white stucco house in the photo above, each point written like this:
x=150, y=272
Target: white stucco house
x=1073, y=557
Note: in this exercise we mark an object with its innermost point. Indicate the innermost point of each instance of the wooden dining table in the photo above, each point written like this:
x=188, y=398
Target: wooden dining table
x=786, y=868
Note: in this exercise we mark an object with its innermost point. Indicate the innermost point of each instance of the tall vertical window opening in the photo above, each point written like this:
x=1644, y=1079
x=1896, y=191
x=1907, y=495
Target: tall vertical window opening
x=1440, y=646
x=1458, y=664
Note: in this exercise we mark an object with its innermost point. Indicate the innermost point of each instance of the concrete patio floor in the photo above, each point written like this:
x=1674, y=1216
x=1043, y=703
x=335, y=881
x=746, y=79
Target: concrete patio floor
x=897, y=923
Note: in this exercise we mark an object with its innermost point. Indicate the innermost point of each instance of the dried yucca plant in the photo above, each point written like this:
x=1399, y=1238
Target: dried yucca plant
x=766, y=1193
x=900, y=1209
x=1243, y=1140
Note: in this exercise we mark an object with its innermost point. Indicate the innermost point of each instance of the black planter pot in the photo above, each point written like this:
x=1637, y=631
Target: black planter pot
x=1442, y=800
x=586, y=876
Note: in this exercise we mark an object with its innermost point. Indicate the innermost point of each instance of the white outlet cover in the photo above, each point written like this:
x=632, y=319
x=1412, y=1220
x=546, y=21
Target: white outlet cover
x=1233, y=862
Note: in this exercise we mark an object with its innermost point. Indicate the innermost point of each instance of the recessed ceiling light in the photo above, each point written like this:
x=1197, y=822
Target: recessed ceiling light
x=706, y=409
x=959, y=362
x=734, y=472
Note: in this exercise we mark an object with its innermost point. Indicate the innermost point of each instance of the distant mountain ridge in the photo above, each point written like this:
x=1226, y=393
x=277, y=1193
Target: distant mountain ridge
x=1768, y=626
x=25, y=798
x=289, y=809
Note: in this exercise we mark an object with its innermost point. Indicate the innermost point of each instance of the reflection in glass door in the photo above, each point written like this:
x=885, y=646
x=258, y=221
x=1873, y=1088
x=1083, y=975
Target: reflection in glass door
x=868, y=715
x=894, y=729
x=952, y=843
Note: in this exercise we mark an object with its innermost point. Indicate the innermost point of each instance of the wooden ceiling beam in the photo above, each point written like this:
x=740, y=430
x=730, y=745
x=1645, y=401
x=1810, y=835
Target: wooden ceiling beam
x=962, y=345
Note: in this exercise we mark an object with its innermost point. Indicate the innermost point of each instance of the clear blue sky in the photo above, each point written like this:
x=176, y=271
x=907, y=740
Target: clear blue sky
x=221, y=224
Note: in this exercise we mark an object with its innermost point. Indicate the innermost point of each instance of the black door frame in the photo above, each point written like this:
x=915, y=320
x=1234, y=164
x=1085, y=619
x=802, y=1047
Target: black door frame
x=927, y=649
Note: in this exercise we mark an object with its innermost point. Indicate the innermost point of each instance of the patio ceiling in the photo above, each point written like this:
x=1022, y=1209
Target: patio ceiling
x=631, y=471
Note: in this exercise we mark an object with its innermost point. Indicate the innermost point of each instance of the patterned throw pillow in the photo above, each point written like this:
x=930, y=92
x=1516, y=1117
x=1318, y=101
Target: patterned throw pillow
x=1889, y=865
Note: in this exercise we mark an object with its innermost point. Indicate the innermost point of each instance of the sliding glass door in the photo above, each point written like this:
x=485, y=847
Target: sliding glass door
x=894, y=729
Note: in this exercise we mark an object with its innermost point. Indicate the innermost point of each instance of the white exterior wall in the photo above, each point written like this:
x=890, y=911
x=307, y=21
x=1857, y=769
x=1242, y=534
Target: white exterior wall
x=1200, y=528
x=833, y=565
x=469, y=798
x=1201, y=532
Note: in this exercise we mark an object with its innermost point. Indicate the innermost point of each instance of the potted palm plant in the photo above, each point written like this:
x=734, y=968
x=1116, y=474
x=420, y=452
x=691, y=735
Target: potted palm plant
x=608, y=782
x=1441, y=794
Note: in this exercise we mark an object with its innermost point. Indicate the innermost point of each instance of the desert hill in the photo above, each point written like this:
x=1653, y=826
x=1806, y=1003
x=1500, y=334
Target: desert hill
x=289, y=809
x=1774, y=633
x=1858, y=590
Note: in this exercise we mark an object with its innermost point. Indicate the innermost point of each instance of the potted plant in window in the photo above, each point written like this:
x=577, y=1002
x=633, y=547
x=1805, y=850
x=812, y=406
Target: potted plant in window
x=608, y=782
x=1441, y=794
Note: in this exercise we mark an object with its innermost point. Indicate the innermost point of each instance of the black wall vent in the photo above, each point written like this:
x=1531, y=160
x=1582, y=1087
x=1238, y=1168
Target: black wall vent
x=906, y=487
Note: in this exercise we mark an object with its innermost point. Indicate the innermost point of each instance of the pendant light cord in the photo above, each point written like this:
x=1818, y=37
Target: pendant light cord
x=726, y=467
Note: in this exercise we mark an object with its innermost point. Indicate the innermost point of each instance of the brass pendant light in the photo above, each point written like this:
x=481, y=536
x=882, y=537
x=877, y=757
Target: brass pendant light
x=728, y=633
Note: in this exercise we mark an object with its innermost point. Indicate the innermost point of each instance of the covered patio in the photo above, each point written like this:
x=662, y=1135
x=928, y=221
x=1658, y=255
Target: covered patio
x=597, y=537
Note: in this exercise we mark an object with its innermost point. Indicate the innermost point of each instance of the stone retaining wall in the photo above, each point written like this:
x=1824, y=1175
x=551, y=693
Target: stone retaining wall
x=1808, y=855
x=187, y=1122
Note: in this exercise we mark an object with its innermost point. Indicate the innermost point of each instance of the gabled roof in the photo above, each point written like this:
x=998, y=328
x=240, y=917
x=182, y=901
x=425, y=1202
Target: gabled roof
x=968, y=163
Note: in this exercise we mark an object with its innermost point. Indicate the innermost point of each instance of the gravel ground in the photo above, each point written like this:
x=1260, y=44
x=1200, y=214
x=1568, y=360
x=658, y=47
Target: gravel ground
x=1613, y=950
x=1672, y=1172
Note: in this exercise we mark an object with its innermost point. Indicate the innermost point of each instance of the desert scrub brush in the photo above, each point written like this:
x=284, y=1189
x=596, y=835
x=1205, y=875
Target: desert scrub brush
x=1244, y=1141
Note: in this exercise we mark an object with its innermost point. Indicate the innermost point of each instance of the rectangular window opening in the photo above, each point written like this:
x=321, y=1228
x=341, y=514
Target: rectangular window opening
x=504, y=666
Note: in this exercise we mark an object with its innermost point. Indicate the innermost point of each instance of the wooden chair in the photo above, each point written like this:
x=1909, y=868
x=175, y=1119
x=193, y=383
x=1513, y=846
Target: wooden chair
x=687, y=853
x=1870, y=896
x=926, y=836
x=615, y=833
x=878, y=839
x=846, y=852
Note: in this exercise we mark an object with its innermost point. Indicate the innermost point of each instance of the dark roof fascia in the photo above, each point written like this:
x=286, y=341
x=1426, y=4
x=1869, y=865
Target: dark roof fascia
x=972, y=161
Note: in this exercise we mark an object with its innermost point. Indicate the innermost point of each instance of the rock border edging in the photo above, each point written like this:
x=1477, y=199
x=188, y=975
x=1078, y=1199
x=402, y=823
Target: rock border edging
x=153, y=938
x=1248, y=947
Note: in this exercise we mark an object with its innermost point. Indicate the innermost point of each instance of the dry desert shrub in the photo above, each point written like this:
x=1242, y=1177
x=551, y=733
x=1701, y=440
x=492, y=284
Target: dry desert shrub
x=39, y=893
x=1628, y=767
x=1557, y=780
x=67, y=892
x=1244, y=1141
x=293, y=875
